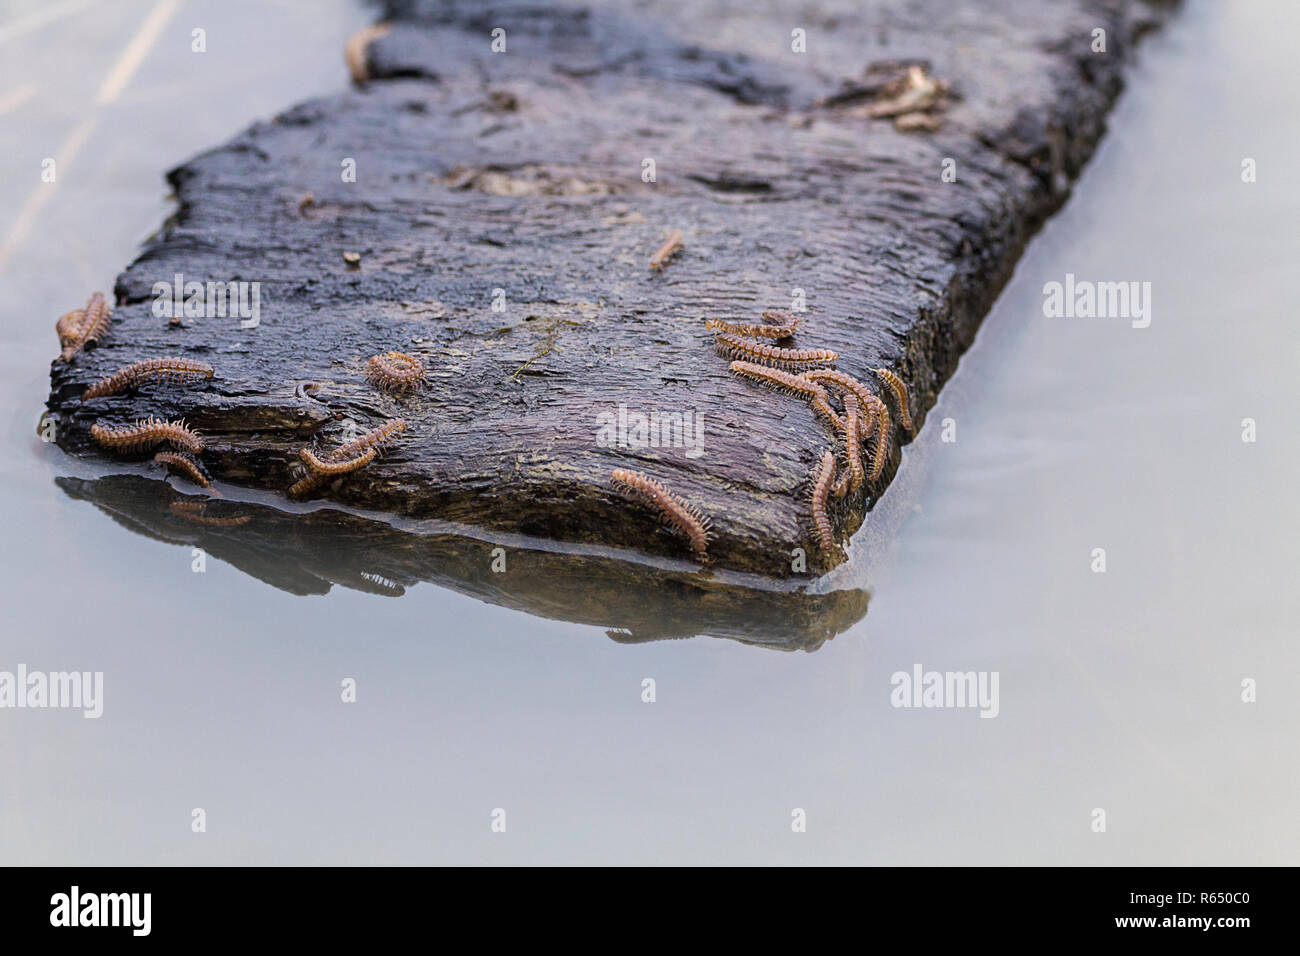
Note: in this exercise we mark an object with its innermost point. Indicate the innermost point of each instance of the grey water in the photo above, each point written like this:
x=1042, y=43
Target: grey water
x=1119, y=691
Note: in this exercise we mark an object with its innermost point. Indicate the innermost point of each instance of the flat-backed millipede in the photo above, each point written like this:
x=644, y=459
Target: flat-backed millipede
x=673, y=509
x=376, y=438
x=94, y=326
x=822, y=477
x=347, y=458
x=395, y=371
x=672, y=245
x=330, y=468
x=751, y=350
x=187, y=465
x=776, y=332
x=165, y=369
x=69, y=326
x=853, y=442
x=880, y=450
x=146, y=434
x=900, y=395
x=870, y=405
x=792, y=384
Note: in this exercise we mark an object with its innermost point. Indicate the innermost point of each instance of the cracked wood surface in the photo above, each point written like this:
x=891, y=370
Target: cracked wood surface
x=521, y=171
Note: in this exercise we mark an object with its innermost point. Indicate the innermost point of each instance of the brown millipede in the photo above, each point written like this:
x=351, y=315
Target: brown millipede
x=330, y=468
x=94, y=325
x=853, y=442
x=187, y=465
x=808, y=390
x=69, y=326
x=821, y=486
x=376, y=438
x=754, y=331
x=870, y=405
x=347, y=458
x=900, y=395
x=751, y=350
x=674, y=510
x=672, y=245
x=395, y=371
x=146, y=434
x=167, y=369
x=880, y=451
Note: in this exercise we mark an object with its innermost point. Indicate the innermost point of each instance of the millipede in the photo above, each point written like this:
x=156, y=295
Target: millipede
x=146, y=434
x=673, y=509
x=751, y=350
x=345, y=459
x=900, y=395
x=793, y=384
x=852, y=441
x=870, y=405
x=164, y=369
x=672, y=245
x=395, y=371
x=822, y=476
x=330, y=468
x=187, y=465
x=69, y=326
x=94, y=324
x=778, y=332
x=880, y=450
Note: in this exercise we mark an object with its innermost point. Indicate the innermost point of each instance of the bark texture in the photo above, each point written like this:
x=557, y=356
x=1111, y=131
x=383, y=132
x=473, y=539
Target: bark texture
x=521, y=171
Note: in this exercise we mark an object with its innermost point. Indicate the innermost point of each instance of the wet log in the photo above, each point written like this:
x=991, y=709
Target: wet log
x=500, y=229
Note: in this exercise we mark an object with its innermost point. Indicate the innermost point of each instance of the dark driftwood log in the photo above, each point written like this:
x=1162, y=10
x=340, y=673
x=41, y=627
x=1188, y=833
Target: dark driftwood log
x=521, y=171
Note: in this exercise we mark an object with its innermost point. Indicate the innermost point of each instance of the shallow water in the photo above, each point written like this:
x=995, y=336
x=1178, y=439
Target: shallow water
x=1118, y=690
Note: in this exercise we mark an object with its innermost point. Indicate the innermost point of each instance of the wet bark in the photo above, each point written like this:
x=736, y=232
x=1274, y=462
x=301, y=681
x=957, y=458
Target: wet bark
x=515, y=178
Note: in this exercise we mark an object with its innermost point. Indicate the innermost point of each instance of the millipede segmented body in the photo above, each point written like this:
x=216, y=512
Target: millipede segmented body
x=880, y=450
x=345, y=459
x=164, y=369
x=187, y=465
x=751, y=350
x=777, y=332
x=672, y=245
x=822, y=477
x=869, y=404
x=853, y=443
x=146, y=434
x=673, y=509
x=900, y=395
x=395, y=371
x=793, y=384
x=93, y=327
x=69, y=326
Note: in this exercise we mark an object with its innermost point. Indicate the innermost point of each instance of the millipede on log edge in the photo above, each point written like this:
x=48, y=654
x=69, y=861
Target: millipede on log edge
x=69, y=326
x=751, y=350
x=146, y=434
x=672, y=245
x=166, y=369
x=187, y=465
x=673, y=509
x=852, y=441
x=355, y=454
x=900, y=394
x=821, y=478
x=395, y=371
x=793, y=384
x=778, y=332
x=94, y=326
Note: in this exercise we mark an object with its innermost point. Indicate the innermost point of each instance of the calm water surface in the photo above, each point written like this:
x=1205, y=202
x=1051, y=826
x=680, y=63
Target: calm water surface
x=1119, y=691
